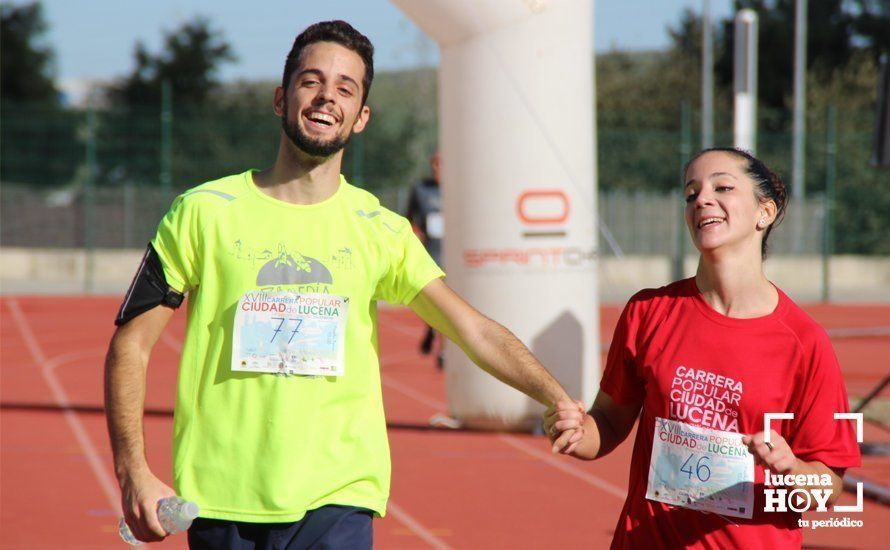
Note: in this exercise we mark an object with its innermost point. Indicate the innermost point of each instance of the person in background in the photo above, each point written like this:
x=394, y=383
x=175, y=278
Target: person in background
x=425, y=214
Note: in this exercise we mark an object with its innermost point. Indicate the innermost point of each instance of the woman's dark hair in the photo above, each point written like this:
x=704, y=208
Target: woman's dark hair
x=339, y=32
x=768, y=186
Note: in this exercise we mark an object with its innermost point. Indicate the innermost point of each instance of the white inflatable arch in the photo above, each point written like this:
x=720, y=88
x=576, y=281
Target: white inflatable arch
x=517, y=141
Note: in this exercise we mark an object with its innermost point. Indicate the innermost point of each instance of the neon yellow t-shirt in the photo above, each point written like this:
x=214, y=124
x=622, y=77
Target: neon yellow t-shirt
x=266, y=447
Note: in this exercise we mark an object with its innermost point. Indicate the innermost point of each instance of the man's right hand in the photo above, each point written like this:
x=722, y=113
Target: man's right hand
x=139, y=500
x=564, y=424
x=125, y=369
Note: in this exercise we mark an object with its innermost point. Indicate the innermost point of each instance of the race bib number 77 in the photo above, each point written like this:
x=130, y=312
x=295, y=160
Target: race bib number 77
x=289, y=333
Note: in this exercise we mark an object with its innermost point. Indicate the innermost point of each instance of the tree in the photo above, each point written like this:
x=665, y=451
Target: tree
x=36, y=132
x=190, y=60
x=394, y=150
x=872, y=24
x=25, y=63
x=836, y=29
x=829, y=45
x=131, y=136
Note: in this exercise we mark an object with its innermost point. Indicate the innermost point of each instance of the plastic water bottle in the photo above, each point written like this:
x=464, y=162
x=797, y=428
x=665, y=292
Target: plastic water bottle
x=174, y=513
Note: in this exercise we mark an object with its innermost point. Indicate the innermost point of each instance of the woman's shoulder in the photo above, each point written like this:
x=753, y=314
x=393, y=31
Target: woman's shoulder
x=678, y=290
x=805, y=328
x=653, y=304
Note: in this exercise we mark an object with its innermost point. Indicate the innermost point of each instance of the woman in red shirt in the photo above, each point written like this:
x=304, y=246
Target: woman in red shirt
x=700, y=362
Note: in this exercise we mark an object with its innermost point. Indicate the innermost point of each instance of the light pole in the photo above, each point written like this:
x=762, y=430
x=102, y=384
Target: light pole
x=745, y=81
x=707, y=78
x=798, y=173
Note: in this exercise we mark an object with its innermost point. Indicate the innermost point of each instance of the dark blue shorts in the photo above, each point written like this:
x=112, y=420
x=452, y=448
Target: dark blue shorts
x=331, y=527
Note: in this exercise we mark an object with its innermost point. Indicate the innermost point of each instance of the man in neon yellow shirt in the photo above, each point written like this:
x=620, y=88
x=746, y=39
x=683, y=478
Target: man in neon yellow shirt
x=279, y=430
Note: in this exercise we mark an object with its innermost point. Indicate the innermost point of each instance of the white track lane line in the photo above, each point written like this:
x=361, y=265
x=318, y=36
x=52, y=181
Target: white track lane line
x=415, y=395
x=562, y=465
x=396, y=511
x=106, y=482
x=409, y=330
x=60, y=360
x=415, y=526
x=841, y=333
x=171, y=342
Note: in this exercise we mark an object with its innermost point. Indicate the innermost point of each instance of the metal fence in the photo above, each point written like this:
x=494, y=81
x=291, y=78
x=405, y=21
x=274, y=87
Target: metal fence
x=126, y=216
x=647, y=223
x=102, y=178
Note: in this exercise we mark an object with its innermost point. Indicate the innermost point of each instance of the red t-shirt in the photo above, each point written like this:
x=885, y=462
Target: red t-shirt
x=782, y=362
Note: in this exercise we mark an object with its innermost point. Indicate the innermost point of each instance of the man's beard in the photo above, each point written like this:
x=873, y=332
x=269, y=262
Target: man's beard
x=311, y=146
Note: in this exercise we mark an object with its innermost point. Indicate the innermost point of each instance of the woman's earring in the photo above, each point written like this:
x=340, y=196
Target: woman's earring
x=762, y=222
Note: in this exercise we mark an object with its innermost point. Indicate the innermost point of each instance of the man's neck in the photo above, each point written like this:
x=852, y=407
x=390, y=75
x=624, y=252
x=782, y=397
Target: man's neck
x=299, y=178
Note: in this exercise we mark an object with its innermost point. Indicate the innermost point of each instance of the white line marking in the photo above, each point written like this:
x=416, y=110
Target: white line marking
x=564, y=466
x=410, y=330
x=65, y=358
x=858, y=332
x=415, y=526
x=106, y=482
x=396, y=358
x=172, y=343
x=414, y=394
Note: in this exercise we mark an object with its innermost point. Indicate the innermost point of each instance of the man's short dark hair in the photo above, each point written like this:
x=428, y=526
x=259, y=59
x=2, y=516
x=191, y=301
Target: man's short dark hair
x=339, y=32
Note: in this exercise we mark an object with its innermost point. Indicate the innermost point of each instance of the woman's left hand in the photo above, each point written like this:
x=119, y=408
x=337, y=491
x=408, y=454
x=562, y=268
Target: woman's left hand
x=775, y=455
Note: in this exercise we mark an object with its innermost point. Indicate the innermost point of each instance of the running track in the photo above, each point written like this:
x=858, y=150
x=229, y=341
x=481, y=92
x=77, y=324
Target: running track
x=451, y=489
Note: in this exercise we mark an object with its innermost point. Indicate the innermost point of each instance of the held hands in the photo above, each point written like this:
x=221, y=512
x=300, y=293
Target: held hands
x=563, y=424
x=775, y=455
x=139, y=500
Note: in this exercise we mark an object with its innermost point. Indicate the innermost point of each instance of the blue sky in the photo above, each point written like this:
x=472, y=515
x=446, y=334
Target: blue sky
x=94, y=39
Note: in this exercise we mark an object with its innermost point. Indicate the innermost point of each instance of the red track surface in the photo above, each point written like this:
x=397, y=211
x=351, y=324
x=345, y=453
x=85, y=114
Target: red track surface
x=450, y=488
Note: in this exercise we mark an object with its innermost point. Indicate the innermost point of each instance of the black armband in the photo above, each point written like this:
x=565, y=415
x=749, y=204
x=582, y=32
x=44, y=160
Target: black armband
x=148, y=289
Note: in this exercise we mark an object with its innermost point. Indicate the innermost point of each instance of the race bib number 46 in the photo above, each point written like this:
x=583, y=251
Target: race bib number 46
x=701, y=469
x=284, y=332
